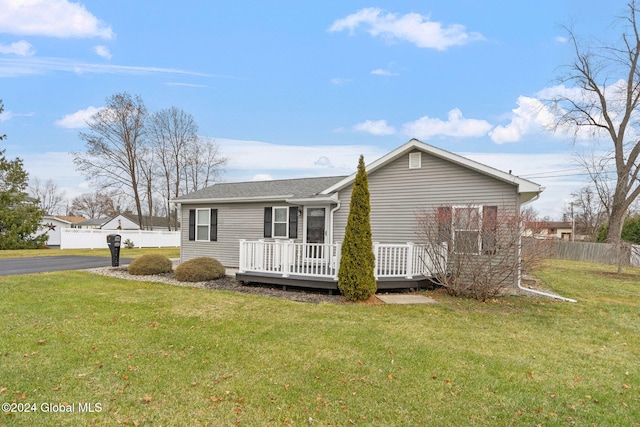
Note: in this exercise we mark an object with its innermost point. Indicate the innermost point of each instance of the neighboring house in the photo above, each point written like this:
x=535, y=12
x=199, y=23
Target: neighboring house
x=126, y=221
x=557, y=230
x=129, y=221
x=288, y=231
x=53, y=225
x=93, y=223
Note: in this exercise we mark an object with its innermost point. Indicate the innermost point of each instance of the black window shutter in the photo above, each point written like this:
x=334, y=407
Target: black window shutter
x=489, y=229
x=213, y=230
x=192, y=224
x=267, y=221
x=293, y=222
x=443, y=217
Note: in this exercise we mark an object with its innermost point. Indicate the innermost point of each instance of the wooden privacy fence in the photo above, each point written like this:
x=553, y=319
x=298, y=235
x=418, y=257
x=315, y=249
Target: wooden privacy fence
x=603, y=253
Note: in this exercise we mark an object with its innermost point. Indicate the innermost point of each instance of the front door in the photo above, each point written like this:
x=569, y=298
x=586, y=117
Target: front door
x=316, y=230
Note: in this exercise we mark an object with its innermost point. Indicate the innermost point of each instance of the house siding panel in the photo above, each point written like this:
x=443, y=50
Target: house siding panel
x=235, y=221
x=399, y=194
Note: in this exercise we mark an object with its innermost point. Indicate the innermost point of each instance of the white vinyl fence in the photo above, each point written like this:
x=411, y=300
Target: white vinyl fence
x=78, y=238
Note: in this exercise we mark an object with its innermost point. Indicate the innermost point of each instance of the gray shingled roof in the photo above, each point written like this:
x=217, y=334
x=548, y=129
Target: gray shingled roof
x=292, y=188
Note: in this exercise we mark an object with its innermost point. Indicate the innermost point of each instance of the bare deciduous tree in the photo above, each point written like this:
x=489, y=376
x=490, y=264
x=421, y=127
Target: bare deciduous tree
x=147, y=175
x=606, y=104
x=114, y=146
x=50, y=198
x=203, y=164
x=587, y=212
x=171, y=132
x=184, y=162
x=97, y=205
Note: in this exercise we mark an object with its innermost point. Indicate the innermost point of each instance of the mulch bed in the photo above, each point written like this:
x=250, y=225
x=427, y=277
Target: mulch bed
x=228, y=283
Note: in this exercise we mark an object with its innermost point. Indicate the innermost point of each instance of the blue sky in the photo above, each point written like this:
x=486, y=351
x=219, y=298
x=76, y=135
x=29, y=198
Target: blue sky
x=292, y=89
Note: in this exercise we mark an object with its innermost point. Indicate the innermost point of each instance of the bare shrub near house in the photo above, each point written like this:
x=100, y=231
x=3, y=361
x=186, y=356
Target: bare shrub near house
x=482, y=248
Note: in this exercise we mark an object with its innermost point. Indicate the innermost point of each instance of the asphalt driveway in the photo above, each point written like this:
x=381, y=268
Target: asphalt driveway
x=53, y=263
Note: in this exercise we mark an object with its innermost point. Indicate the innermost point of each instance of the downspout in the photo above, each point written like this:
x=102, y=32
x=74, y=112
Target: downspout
x=331, y=216
x=519, y=281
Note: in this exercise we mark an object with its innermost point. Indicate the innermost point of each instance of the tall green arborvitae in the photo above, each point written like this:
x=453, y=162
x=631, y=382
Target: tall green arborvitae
x=356, y=280
x=19, y=216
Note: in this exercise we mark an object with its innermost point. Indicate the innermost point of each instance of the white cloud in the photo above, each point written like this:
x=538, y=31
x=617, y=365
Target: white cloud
x=262, y=177
x=53, y=18
x=323, y=161
x=78, y=119
x=375, y=127
x=561, y=39
x=381, y=72
x=21, y=48
x=14, y=67
x=8, y=115
x=412, y=27
x=57, y=166
x=184, y=84
x=249, y=158
x=554, y=104
x=531, y=116
x=102, y=51
x=340, y=81
x=455, y=125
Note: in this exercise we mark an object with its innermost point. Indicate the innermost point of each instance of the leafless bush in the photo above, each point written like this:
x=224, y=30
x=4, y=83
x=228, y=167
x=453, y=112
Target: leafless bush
x=482, y=248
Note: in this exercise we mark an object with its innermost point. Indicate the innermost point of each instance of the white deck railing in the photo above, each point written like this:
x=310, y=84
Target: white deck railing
x=286, y=257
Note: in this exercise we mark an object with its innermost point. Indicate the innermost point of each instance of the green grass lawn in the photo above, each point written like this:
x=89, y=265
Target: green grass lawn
x=154, y=354
x=124, y=252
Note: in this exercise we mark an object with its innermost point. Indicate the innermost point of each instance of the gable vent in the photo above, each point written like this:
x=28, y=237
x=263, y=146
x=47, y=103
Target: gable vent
x=415, y=160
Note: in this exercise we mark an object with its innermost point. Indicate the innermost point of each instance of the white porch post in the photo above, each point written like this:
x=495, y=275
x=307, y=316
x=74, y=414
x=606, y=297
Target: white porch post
x=284, y=254
x=259, y=254
x=243, y=262
x=337, y=260
x=409, y=260
x=376, y=256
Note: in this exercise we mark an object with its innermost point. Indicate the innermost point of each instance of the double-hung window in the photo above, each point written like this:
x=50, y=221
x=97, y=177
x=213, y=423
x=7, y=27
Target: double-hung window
x=468, y=229
x=203, y=225
x=280, y=222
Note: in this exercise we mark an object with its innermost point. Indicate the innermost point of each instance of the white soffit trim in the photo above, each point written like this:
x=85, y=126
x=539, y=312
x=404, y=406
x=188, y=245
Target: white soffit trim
x=234, y=200
x=333, y=198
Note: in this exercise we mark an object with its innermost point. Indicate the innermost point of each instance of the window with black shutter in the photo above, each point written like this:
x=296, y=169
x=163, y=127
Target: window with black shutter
x=443, y=218
x=192, y=224
x=489, y=229
x=213, y=230
x=268, y=211
x=281, y=222
x=293, y=222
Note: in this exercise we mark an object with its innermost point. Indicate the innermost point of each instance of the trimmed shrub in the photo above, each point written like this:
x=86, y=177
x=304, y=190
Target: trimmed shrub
x=150, y=264
x=200, y=269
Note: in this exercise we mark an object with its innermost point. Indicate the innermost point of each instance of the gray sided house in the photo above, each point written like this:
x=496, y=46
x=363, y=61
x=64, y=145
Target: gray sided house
x=285, y=230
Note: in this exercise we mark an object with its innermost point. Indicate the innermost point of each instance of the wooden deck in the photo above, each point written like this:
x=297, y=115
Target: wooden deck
x=316, y=265
x=329, y=284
